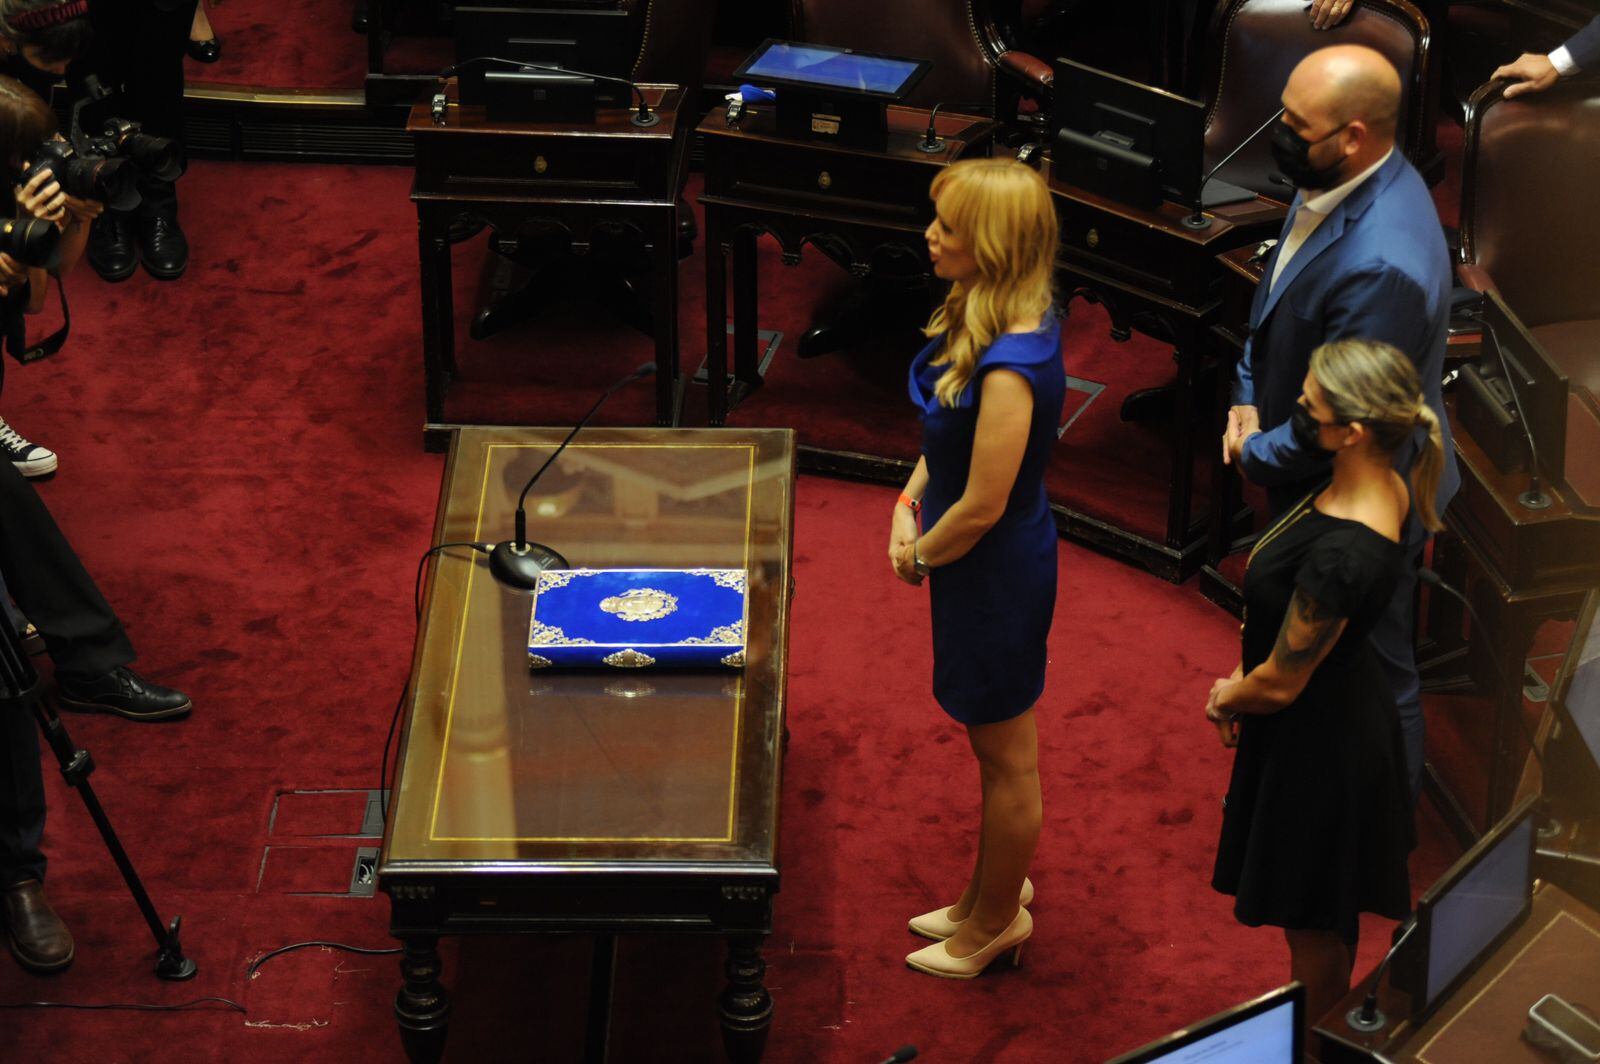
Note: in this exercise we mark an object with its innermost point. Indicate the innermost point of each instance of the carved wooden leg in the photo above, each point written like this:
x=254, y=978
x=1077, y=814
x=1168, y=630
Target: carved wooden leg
x=745, y=1006
x=421, y=1005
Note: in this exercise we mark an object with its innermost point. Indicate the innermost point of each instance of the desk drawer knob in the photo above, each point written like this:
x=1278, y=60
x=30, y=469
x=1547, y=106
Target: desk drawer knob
x=824, y=180
x=1092, y=238
x=540, y=164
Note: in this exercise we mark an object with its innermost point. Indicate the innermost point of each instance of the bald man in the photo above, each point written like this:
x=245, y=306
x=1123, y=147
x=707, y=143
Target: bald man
x=1361, y=256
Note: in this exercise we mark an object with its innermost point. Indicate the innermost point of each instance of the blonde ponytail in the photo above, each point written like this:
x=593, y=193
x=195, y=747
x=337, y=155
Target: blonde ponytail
x=1428, y=468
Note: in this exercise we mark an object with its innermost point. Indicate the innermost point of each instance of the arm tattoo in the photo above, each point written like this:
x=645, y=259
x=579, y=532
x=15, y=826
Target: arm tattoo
x=1309, y=629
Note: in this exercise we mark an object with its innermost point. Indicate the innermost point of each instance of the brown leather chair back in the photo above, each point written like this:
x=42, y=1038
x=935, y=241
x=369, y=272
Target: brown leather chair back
x=674, y=40
x=1528, y=215
x=1255, y=44
x=957, y=35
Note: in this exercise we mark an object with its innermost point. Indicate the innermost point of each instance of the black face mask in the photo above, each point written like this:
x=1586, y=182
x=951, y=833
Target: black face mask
x=41, y=82
x=1307, y=429
x=1292, y=153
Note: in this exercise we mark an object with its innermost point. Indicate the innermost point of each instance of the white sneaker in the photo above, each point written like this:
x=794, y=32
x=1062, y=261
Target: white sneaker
x=30, y=459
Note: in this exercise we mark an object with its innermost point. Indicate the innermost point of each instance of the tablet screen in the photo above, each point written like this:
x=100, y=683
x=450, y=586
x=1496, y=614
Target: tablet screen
x=831, y=68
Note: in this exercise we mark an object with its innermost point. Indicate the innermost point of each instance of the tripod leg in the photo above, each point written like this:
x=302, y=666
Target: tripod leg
x=76, y=765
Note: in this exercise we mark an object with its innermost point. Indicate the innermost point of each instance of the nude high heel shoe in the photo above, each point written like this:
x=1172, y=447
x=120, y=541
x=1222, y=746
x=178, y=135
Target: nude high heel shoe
x=936, y=959
x=938, y=926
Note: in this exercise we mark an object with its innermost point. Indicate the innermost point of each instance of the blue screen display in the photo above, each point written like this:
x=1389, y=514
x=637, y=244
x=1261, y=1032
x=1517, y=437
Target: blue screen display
x=826, y=67
x=1583, y=697
x=1266, y=1038
x=1472, y=913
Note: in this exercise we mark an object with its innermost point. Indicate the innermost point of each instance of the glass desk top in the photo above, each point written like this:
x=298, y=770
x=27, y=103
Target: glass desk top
x=504, y=767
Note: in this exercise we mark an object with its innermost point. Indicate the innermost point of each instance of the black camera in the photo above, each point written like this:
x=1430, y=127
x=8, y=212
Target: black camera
x=112, y=181
x=160, y=157
x=31, y=241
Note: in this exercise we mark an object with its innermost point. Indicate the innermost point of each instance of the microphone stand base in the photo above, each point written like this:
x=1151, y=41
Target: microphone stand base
x=1534, y=500
x=1196, y=221
x=1366, y=1026
x=932, y=147
x=645, y=119
x=518, y=566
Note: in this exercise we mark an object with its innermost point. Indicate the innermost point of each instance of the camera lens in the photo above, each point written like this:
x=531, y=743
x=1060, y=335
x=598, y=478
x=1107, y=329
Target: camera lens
x=31, y=241
x=160, y=157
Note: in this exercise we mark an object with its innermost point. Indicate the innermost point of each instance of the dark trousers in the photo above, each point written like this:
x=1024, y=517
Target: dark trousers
x=83, y=636
x=139, y=49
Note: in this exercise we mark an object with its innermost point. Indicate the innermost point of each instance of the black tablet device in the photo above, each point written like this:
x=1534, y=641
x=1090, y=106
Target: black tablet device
x=820, y=68
x=1263, y=1031
x=1572, y=755
x=1475, y=906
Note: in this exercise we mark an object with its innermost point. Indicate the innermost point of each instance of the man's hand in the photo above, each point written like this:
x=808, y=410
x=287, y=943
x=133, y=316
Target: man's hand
x=12, y=274
x=84, y=211
x=42, y=197
x=1243, y=422
x=1530, y=73
x=1326, y=14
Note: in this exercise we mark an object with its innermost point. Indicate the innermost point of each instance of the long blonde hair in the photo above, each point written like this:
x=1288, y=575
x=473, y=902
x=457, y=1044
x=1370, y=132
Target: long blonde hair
x=1002, y=209
x=1375, y=384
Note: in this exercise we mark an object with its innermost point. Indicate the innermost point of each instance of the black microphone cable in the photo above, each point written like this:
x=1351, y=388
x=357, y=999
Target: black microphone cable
x=643, y=117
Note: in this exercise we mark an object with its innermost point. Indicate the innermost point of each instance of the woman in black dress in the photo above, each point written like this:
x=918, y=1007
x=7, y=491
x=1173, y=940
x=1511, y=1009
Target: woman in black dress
x=1317, y=822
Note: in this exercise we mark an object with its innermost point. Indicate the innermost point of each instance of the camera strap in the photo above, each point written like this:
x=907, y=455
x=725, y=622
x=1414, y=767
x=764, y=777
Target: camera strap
x=17, y=335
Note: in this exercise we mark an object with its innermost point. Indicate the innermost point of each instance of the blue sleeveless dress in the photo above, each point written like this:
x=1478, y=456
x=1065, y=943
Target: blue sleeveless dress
x=992, y=607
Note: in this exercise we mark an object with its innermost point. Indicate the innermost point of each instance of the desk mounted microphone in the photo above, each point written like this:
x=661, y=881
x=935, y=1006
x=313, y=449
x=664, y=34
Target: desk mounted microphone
x=643, y=117
x=1368, y=1017
x=1534, y=498
x=931, y=142
x=1198, y=219
x=516, y=562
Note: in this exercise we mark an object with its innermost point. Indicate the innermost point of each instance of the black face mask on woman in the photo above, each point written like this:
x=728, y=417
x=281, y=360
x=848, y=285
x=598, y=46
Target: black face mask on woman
x=1292, y=153
x=41, y=82
x=1306, y=428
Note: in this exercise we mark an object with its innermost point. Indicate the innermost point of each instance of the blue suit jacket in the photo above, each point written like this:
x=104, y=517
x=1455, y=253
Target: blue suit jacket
x=1377, y=268
x=1584, y=47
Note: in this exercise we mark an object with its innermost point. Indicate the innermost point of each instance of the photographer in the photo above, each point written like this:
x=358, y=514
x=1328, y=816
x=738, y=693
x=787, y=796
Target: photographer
x=40, y=39
x=81, y=632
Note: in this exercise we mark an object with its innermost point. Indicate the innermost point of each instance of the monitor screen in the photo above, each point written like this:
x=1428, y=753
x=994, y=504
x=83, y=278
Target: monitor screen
x=821, y=67
x=1483, y=902
x=1264, y=1031
x=1541, y=385
x=1582, y=695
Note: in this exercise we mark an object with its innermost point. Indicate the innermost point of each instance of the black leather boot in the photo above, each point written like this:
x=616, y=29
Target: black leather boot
x=111, y=251
x=163, y=248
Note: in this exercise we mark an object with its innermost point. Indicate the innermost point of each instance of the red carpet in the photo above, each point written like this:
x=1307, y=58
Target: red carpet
x=241, y=471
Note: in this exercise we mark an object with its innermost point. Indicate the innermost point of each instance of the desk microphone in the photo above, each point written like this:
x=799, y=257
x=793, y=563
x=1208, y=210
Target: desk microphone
x=1198, y=219
x=901, y=1055
x=516, y=562
x=931, y=143
x=644, y=118
x=1534, y=498
x=1368, y=1017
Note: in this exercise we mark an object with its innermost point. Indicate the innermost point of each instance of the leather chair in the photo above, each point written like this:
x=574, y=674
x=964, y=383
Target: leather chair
x=1255, y=44
x=1529, y=227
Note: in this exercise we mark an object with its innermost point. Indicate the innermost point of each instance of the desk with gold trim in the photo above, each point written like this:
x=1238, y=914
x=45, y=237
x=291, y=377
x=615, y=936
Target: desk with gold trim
x=597, y=803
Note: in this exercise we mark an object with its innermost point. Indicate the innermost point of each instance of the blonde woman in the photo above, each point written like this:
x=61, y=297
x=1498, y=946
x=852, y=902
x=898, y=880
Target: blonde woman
x=1317, y=823
x=990, y=386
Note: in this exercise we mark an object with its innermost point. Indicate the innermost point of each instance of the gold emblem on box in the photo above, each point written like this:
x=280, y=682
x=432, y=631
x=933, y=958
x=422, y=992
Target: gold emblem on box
x=628, y=659
x=641, y=604
x=734, y=660
x=541, y=634
x=539, y=661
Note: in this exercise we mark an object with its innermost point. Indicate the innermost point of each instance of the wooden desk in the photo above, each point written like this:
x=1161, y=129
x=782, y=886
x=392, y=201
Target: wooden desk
x=1557, y=951
x=1156, y=275
x=509, y=174
x=1520, y=568
x=594, y=803
x=863, y=203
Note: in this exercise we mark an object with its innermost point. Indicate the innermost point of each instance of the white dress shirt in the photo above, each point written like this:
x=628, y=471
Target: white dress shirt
x=1561, y=59
x=1313, y=209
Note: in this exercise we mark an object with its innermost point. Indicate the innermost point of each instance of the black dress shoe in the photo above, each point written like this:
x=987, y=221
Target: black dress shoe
x=162, y=247
x=206, y=51
x=38, y=939
x=123, y=692
x=111, y=250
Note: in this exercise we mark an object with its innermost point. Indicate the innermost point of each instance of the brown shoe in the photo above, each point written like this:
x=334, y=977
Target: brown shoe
x=38, y=938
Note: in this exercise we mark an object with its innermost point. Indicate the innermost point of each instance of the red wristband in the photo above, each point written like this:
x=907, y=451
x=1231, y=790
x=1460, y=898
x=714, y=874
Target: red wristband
x=909, y=503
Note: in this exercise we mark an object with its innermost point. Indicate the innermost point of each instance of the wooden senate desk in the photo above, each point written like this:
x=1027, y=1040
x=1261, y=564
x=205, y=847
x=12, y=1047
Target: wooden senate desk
x=594, y=803
x=514, y=174
x=1520, y=568
x=1155, y=275
x=1556, y=951
x=865, y=206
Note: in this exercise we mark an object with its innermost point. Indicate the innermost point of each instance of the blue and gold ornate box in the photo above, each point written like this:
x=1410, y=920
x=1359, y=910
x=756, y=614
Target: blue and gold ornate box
x=636, y=618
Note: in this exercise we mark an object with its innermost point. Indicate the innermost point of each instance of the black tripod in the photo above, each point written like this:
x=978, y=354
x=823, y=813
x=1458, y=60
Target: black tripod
x=19, y=690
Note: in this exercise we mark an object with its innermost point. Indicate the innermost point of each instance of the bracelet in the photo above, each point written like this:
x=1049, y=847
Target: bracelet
x=914, y=505
x=921, y=567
